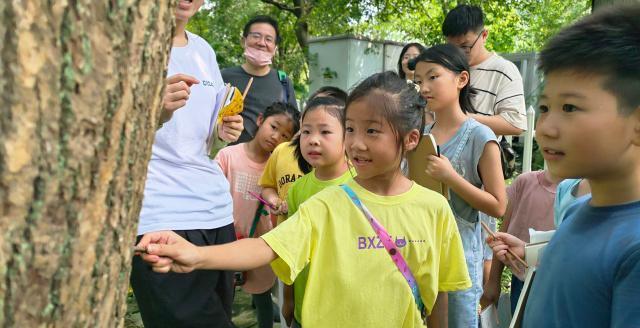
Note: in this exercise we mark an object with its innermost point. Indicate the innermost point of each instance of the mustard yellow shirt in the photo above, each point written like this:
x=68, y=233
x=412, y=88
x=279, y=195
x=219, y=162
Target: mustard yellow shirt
x=352, y=280
x=281, y=172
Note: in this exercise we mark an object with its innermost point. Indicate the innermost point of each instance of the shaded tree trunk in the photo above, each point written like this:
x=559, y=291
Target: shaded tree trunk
x=80, y=90
x=595, y=4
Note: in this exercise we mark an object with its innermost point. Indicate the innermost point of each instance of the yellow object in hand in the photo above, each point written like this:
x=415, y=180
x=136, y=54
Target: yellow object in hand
x=233, y=103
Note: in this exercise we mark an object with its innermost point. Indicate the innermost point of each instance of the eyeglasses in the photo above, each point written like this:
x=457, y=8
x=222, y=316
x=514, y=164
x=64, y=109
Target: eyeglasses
x=257, y=36
x=467, y=49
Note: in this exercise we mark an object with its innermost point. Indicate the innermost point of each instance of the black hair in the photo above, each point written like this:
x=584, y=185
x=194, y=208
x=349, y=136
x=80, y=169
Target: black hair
x=463, y=19
x=334, y=107
x=404, y=50
x=330, y=91
x=395, y=100
x=606, y=43
x=287, y=109
x=453, y=59
x=262, y=19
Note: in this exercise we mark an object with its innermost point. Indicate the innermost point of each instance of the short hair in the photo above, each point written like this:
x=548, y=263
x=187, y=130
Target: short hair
x=605, y=43
x=330, y=91
x=417, y=45
x=262, y=19
x=463, y=19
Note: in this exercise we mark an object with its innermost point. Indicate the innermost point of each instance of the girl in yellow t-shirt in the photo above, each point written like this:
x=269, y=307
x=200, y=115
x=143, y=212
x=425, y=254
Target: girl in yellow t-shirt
x=353, y=280
x=320, y=152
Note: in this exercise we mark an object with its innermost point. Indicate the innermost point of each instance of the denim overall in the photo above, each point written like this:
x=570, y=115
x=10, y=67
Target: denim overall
x=463, y=305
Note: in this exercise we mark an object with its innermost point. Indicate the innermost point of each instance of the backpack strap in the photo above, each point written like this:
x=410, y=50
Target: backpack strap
x=390, y=246
x=282, y=76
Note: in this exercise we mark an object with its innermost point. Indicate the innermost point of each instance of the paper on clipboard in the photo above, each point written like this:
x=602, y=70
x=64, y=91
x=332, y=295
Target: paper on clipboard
x=489, y=317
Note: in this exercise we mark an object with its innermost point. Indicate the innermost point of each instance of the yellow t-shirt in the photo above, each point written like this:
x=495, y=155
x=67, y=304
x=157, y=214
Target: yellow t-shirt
x=281, y=172
x=352, y=280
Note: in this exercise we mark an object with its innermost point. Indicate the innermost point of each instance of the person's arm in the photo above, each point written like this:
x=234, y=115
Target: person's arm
x=217, y=144
x=625, y=308
x=439, y=314
x=288, y=304
x=271, y=196
x=491, y=200
x=223, y=161
x=176, y=94
x=491, y=292
x=166, y=251
x=509, y=111
x=498, y=124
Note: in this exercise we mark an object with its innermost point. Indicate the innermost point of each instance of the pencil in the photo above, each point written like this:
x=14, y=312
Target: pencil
x=262, y=200
x=246, y=90
x=488, y=230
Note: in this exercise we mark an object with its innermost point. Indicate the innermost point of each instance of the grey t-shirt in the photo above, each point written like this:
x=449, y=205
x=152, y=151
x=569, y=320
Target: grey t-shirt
x=264, y=91
x=466, y=163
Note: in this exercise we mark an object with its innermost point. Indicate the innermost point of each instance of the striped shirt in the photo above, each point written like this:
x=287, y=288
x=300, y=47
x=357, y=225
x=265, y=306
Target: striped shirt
x=500, y=90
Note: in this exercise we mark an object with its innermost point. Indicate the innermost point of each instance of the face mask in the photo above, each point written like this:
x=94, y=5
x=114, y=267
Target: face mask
x=257, y=57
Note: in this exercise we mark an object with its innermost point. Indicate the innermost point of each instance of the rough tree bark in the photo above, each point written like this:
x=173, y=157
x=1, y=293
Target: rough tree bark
x=80, y=89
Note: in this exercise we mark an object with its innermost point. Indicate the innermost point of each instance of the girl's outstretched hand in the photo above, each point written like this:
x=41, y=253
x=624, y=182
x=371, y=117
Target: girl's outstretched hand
x=166, y=251
x=440, y=168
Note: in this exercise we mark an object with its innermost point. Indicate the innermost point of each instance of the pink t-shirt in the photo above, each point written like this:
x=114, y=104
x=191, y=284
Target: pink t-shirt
x=531, y=198
x=243, y=175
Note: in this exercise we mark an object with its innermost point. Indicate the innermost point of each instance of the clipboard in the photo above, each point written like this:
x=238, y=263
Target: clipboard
x=518, y=315
x=533, y=253
x=417, y=164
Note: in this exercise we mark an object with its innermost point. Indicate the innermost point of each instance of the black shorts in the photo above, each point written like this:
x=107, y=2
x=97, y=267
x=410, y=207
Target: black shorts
x=201, y=298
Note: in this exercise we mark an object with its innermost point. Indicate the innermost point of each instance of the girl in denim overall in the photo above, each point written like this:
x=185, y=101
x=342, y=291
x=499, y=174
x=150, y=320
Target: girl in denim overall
x=469, y=163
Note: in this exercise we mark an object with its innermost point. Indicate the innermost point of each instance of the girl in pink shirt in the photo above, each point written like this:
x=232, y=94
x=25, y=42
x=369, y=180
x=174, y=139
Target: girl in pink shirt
x=243, y=164
x=531, y=197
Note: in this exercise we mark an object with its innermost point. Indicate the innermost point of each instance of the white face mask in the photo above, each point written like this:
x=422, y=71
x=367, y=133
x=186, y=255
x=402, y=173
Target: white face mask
x=257, y=57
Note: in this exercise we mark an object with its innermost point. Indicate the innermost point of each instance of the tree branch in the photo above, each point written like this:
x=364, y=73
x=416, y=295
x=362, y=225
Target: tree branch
x=280, y=6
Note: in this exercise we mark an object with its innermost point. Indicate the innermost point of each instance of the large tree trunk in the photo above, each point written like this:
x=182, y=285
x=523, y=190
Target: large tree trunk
x=80, y=91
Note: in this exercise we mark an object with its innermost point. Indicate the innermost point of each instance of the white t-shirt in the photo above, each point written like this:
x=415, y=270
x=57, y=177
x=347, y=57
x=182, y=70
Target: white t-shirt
x=185, y=189
x=500, y=90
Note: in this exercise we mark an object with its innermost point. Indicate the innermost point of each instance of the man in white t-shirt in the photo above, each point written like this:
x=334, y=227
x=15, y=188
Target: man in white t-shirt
x=185, y=190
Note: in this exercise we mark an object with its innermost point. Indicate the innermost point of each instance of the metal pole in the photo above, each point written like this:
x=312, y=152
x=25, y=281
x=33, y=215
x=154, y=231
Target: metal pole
x=528, y=140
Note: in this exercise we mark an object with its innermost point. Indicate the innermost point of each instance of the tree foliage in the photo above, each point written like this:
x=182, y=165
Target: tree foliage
x=514, y=25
